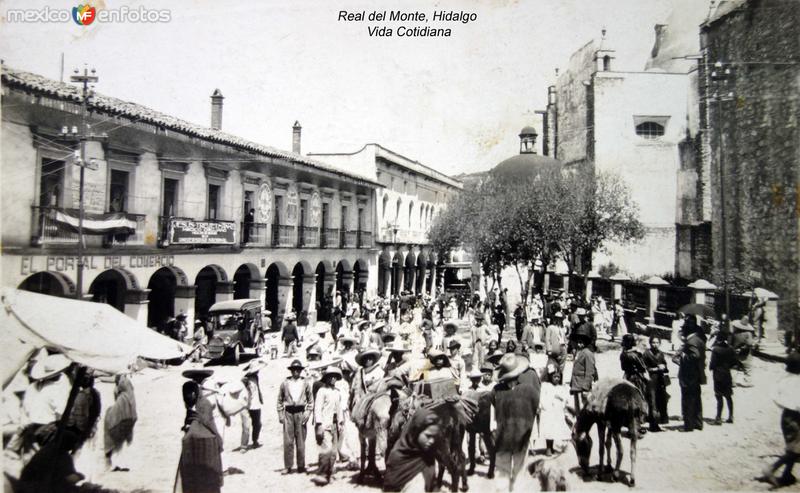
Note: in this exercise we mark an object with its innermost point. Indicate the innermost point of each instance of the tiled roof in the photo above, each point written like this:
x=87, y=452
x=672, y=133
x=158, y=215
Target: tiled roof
x=136, y=112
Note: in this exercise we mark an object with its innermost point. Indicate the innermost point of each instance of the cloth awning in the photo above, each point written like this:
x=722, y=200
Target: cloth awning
x=112, y=222
x=92, y=334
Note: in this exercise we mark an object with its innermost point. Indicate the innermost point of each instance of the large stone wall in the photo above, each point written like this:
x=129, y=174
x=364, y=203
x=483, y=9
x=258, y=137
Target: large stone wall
x=757, y=139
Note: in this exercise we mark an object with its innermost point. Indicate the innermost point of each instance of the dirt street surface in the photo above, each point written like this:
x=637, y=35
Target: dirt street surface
x=726, y=457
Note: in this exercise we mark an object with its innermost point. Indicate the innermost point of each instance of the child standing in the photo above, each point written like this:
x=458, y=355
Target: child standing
x=553, y=401
x=584, y=370
x=328, y=423
x=723, y=358
x=788, y=399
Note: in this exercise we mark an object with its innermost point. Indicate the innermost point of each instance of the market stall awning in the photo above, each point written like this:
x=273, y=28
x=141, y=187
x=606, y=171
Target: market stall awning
x=93, y=334
x=112, y=222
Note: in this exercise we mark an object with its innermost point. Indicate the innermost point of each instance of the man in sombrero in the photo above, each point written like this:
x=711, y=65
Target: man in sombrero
x=295, y=404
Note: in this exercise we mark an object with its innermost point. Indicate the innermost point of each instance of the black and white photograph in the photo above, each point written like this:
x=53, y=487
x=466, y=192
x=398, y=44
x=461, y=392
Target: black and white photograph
x=433, y=245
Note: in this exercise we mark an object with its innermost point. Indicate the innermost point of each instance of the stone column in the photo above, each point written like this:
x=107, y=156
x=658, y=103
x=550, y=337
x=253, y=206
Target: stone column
x=398, y=278
x=371, y=275
x=700, y=290
x=433, y=292
x=258, y=291
x=617, y=282
x=546, y=282
x=421, y=276
x=652, y=304
x=136, y=304
x=310, y=297
x=184, y=303
x=223, y=291
x=565, y=282
x=285, y=285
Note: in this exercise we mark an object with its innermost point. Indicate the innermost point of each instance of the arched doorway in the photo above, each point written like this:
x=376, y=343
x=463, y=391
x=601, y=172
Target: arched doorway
x=110, y=287
x=408, y=272
x=161, y=298
x=241, y=282
x=51, y=283
x=271, y=295
x=340, y=277
x=323, y=311
x=384, y=273
x=396, y=275
x=421, y=277
x=360, y=273
x=206, y=288
x=297, y=288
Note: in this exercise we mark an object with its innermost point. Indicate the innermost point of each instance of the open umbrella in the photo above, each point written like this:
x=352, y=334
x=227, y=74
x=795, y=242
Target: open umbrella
x=697, y=309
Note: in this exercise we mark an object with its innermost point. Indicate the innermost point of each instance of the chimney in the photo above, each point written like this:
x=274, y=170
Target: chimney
x=216, y=109
x=296, y=137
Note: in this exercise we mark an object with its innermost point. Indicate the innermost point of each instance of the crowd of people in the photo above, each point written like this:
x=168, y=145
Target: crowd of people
x=455, y=347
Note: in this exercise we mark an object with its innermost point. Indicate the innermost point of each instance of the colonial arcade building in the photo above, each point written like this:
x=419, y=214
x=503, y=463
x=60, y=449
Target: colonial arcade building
x=168, y=225
x=411, y=195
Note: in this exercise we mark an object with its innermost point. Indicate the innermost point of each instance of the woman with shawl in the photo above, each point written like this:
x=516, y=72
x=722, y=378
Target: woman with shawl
x=200, y=467
x=119, y=421
x=414, y=453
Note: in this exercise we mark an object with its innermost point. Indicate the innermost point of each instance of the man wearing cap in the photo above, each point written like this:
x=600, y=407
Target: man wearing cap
x=585, y=327
x=255, y=401
x=289, y=335
x=479, y=338
x=295, y=404
x=515, y=403
x=328, y=423
x=457, y=364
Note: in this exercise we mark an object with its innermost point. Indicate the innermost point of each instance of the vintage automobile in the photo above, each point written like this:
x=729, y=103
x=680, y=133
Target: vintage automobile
x=235, y=326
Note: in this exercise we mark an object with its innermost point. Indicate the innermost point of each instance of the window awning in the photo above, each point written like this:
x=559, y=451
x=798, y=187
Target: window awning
x=108, y=223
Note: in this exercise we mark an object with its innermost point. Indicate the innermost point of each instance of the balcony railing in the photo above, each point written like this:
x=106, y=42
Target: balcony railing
x=137, y=238
x=307, y=237
x=364, y=239
x=330, y=238
x=347, y=239
x=163, y=226
x=283, y=235
x=255, y=235
x=49, y=231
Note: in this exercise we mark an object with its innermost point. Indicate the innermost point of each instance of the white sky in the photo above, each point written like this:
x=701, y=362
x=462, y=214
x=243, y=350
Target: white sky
x=455, y=104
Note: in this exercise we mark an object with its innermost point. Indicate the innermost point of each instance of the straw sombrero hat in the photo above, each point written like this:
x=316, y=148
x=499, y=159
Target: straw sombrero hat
x=511, y=366
x=318, y=365
x=346, y=338
x=332, y=370
x=254, y=366
x=49, y=366
x=475, y=373
x=495, y=357
x=379, y=326
x=434, y=354
x=367, y=353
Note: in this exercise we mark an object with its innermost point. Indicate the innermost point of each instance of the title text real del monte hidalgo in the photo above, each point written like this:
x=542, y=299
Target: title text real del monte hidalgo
x=412, y=20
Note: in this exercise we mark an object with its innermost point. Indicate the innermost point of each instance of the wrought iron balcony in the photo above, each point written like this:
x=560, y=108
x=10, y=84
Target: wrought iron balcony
x=364, y=239
x=284, y=236
x=330, y=238
x=347, y=239
x=307, y=237
x=255, y=235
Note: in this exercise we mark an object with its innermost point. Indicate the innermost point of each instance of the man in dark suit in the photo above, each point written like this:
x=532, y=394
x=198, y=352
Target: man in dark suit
x=692, y=374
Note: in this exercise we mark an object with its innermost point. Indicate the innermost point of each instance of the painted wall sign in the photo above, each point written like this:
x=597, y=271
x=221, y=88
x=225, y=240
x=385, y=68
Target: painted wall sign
x=265, y=203
x=64, y=263
x=315, y=215
x=292, y=203
x=190, y=232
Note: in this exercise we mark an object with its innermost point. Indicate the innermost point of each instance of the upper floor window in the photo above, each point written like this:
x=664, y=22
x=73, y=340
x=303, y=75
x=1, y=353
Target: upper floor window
x=213, y=201
x=118, y=191
x=649, y=130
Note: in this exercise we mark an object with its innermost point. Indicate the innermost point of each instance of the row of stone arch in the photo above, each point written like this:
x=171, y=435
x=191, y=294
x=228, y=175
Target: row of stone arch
x=303, y=288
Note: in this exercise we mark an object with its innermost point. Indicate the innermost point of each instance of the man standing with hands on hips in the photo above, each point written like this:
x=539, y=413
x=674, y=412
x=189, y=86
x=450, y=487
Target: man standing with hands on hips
x=295, y=403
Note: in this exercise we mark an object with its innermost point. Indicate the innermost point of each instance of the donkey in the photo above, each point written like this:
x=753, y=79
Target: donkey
x=612, y=404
